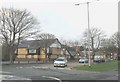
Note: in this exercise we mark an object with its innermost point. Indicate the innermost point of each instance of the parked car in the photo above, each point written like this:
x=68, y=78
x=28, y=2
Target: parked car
x=62, y=62
x=83, y=60
x=107, y=59
x=99, y=58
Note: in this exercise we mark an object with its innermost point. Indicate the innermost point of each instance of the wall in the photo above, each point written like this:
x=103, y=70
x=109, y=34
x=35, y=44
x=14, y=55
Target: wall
x=42, y=53
x=22, y=53
x=56, y=51
x=56, y=44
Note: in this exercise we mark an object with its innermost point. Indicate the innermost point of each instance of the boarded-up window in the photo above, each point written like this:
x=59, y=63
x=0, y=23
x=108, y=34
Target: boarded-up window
x=54, y=56
x=36, y=56
x=21, y=56
x=22, y=51
x=42, y=56
x=42, y=51
x=56, y=51
x=29, y=56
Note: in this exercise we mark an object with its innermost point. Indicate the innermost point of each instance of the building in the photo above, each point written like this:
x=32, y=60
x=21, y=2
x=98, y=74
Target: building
x=70, y=52
x=39, y=50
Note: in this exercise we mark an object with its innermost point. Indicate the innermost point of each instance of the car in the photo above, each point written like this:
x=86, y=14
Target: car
x=107, y=59
x=62, y=62
x=99, y=58
x=83, y=60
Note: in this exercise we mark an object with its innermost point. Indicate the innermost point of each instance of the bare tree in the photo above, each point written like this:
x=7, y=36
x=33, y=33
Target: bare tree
x=43, y=36
x=96, y=36
x=70, y=43
x=116, y=39
x=108, y=47
x=106, y=42
x=16, y=25
x=63, y=41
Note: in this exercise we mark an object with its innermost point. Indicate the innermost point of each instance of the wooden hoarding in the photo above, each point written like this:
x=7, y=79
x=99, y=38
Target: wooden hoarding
x=21, y=56
x=22, y=51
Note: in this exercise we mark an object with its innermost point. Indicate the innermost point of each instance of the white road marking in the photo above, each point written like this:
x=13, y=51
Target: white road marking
x=5, y=72
x=24, y=67
x=40, y=67
x=11, y=77
x=50, y=68
x=37, y=67
x=19, y=67
x=54, y=78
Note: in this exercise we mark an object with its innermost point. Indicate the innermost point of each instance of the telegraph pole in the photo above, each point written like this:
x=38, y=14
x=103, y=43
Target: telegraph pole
x=88, y=29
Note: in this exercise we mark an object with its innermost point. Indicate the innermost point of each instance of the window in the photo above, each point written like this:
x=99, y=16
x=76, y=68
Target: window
x=59, y=59
x=32, y=51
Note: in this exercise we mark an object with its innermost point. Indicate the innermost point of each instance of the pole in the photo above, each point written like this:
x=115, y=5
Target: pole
x=88, y=33
x=88, y=29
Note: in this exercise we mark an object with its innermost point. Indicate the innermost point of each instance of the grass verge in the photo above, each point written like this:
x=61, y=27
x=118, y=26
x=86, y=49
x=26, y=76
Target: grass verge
x=100, y=67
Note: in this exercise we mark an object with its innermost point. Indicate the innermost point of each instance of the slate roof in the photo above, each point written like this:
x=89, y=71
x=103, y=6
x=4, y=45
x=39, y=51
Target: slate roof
x=70, y=50
x=34, y=44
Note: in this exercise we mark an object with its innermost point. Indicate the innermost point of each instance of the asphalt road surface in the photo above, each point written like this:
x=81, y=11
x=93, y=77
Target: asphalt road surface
x=49, y=72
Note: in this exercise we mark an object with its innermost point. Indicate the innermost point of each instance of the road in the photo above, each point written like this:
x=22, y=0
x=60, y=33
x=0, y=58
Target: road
x=48, y=72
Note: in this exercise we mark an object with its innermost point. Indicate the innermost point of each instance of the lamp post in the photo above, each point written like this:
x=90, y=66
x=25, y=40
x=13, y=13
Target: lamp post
x=88, y=28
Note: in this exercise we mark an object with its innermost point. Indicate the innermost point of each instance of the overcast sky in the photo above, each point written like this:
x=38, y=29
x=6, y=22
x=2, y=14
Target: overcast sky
x=65, y=20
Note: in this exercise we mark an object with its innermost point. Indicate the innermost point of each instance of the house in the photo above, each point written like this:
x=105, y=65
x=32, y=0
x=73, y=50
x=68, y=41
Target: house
x=70, y=52
x=39, y=50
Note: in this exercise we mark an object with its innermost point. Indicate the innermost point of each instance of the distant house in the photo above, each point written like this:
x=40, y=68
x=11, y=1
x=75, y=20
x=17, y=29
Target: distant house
x=39, y=49
x=71, y=52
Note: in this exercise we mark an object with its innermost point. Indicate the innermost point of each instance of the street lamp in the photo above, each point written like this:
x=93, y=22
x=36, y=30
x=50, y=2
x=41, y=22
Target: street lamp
x=88, y=28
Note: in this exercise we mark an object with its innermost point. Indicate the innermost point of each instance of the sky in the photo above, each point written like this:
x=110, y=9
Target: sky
x=65, y=20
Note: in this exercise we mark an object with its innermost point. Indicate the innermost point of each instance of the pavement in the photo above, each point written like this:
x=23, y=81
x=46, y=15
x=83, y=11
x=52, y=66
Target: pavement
x=42, y=71
x=70, y=65
x=9, y=76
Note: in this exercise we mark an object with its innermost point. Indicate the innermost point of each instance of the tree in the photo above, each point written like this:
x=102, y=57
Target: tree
x=115, y=39
x=111, y=45
x=70, y=43
x=96, y=36
x=43, y=36
x=16, y=25
x=63, y=41
x=107, y=46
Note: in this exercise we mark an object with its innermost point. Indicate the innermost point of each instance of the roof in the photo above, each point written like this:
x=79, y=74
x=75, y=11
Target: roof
x=70, y=50
x=31, y=44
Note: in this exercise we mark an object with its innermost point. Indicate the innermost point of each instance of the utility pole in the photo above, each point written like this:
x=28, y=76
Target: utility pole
x=88, y=29
x=88, y=34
